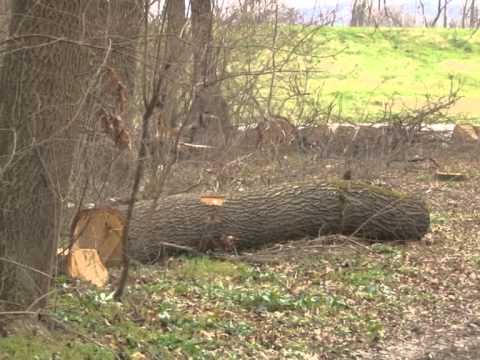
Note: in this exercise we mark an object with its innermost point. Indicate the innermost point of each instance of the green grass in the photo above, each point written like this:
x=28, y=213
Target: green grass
x=363, y=69
x=207, y=309
x=36, y=348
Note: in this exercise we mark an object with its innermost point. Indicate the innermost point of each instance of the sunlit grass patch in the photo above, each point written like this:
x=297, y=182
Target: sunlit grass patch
x=362, y=69
x=38, y=348
x=199, y=268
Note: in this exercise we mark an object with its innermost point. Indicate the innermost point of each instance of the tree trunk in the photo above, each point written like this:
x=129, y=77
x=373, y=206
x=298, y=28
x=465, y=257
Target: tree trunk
x=473, y=11
x=285, y=212
x=202, y=21
x=103, y=155
x=354, y=19
x=127, y=16
x=41, y=88
x=464, y=14
x=209, y=118
x=4, y=19
x=439, y=13
x=176, y=64
x=445, y=15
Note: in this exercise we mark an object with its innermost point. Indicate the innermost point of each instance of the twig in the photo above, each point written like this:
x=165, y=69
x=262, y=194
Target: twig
x=181, y=247
x=12, y=154
x=142, y=152
x=8, y=313
x=188, y=189
x=25, y=267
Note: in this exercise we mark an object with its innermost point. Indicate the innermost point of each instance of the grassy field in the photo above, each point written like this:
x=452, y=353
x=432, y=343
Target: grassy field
x=364, y=68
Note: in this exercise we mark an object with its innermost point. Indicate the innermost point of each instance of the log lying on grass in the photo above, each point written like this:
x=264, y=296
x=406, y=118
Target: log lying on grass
x=285, y=212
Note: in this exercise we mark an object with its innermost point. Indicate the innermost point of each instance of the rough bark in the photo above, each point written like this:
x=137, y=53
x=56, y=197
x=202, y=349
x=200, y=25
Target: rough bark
x=359, y=12
x=176, y=63
x=285, y=212
x=202, y=19
x=209, y=118
x=445, y=14
x=104, y=155
x=473, y=12
x=464, y=14
x=41, y=85
x=4, y=19
x=127, y=16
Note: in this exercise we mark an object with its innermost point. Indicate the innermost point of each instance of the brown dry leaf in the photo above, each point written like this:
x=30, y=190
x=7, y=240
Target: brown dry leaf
x=213, y=200
x=86, y=264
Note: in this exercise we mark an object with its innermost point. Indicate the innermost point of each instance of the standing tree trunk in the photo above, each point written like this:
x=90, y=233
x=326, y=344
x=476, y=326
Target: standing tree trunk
x=360, y=10
x=175, y=64
x=202, y=19
x=445, y=14
x=126, y=21
x=209, y=112
x=41, y=87
x=354, y=18
x=439, y=13
x=464, y=14
x=4, y=19
x=473, y=19
x=103, y=156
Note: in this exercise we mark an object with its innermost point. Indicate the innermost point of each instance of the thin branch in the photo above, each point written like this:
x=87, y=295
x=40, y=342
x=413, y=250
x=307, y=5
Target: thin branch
x=13, y=262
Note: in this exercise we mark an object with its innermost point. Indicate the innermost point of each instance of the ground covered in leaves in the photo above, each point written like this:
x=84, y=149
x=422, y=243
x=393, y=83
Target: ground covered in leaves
x=329, y=298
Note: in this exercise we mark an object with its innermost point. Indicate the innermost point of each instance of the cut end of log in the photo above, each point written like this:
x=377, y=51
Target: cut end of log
x=99, y=229
x=96, y=244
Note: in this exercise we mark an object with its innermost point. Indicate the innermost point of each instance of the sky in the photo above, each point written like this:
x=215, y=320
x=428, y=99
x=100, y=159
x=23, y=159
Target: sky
x=344, y=6
x=308, y=4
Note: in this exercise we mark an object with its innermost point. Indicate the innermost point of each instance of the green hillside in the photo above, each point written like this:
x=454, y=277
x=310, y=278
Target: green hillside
x=365, y=68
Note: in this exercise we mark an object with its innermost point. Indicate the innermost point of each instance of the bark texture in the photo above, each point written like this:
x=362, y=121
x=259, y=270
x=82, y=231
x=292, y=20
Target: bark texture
x=209, y=119
x=4, y=19
x=281, y=213
x=41, y=87
x=126, y=17
x=175, y=64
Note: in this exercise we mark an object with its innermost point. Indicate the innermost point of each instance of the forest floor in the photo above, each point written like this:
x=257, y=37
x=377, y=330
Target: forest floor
x=327, y=298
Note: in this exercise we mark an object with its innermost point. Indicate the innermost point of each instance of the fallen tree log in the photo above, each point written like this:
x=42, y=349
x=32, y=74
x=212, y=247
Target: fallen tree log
x=252, y=219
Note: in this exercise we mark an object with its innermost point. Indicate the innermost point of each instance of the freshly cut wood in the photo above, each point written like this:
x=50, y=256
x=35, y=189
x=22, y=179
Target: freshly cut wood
x=285, y=212
x=99, y=229
x=86, y=264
